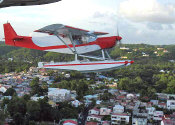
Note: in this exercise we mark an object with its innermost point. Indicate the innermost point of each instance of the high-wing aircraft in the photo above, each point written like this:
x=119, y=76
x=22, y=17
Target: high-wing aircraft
x=7, y=3
x=66, y=39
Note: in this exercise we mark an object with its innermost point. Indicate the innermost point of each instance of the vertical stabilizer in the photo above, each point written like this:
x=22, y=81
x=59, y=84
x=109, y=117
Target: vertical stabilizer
x=9, y=34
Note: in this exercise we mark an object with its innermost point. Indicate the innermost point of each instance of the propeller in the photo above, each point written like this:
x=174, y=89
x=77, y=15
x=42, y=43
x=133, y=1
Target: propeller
x=119, y=38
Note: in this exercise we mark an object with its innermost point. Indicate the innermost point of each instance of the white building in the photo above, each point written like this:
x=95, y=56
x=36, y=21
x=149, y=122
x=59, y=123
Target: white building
x=94, y=111
x=36, y=98
x=59, y=95
x=130, y=96
x=155, y=102
x=118, y=109
x=105, y=111
x=158, y=115
x=170, y=104
x=124, y=48
x=118, y=118
x=151, y=110
x=94, y=118
x=3, y=89
x=139, y=121
x=76, y=103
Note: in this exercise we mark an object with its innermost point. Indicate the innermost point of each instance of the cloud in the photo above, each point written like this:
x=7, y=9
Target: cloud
x=147, y=10
x=155, y=26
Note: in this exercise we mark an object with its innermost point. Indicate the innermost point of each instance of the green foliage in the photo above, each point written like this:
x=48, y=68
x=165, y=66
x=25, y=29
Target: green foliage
x=10, y=92
x=106, y=96
x=38, y=89
x=81, y=86
x=2, y=117
x=33, y=110
x=16, y=105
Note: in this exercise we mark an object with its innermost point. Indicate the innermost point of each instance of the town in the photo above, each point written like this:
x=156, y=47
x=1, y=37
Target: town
x=111, y=107
x=141, y=94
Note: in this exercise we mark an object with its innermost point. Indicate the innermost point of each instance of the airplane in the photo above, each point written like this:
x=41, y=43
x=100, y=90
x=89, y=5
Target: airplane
x=70, y=40
x=8, y=3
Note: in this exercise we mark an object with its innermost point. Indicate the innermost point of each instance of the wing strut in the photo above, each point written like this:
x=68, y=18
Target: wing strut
x=65, y=43
x=107, y=54
x=70, y=37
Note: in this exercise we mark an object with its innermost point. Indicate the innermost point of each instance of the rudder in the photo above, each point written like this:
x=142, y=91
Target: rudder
x=9, y=34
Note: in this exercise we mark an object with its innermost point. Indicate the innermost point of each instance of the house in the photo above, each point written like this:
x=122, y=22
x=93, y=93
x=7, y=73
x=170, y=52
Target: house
x=124, y=48
x=76, y=103
x=94, y=118
x=6, y=97
x=94, y=111
x=91, y=123
x=162, y=105
x=70, y=122
x=118, y=109
x=168, y=120
x=105, y=111
x=130, y=96
x=67, y=75
x=154, y=102
x=151, y=111
x=171, y=104
x=118, y=118
x=158, y=115
x=89, y=97
x=98, y=102
x=165, y=51
x=123, y=57
x=59, y=95
x=139, y=121
x=105, y=123
x=160, y=48
x=36, y=98
x=121, y=97
x=3, y=89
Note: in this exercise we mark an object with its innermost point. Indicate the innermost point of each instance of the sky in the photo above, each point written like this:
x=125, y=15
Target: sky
x=138, y=21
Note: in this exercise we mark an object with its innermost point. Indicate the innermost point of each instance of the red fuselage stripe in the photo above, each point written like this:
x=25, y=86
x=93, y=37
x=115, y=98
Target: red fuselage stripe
x=85, y=64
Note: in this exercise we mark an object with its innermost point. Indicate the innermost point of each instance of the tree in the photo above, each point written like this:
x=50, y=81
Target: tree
x=17, y=109
x=10, y=92
x=33, y=110
x=171, y=87
x=36, y=88
x=18, y=118
x=45, y=110
x=2, y=117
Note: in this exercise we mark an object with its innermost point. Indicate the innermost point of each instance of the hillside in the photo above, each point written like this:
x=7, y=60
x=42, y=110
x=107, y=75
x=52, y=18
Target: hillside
x=153, y=70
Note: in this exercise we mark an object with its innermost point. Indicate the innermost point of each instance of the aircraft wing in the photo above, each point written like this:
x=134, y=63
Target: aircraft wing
x=64, y=29
x=8, y=3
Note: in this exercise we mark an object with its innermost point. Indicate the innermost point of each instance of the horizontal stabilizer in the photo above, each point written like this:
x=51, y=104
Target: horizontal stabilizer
x=18, y=38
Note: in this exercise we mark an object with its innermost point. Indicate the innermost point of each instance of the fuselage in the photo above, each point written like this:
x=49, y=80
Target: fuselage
x=54, y=44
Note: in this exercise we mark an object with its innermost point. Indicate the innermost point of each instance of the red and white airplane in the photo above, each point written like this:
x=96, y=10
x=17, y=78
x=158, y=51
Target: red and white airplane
x=65, y=39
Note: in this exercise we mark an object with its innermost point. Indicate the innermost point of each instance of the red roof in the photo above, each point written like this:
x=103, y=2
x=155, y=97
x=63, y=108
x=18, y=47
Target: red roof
x=169, y=122
x=122, y=114
x=98, y=116
x=91, y=123
x=95, y=109
x=121, y=97
x=164, y=104
x=70, y=121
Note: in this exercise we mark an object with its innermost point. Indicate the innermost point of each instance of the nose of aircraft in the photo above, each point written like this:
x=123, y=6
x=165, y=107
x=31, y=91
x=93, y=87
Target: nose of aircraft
x=108, y=42
x=118, y=38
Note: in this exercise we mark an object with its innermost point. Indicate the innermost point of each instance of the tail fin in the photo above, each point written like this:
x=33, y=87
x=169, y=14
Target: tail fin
x=9, y=34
